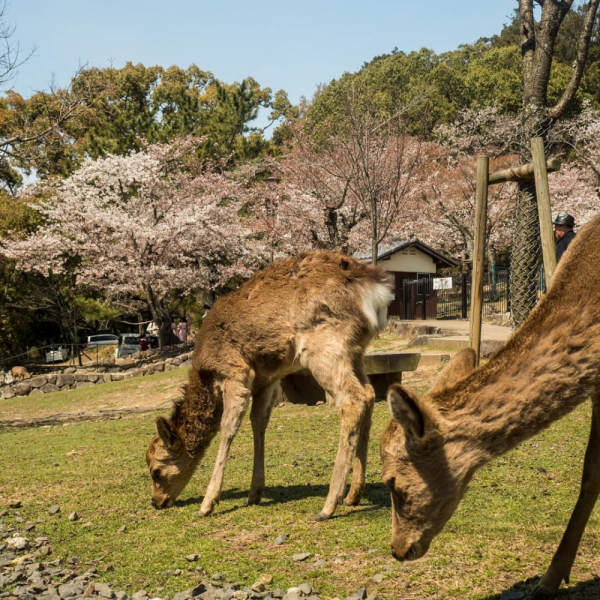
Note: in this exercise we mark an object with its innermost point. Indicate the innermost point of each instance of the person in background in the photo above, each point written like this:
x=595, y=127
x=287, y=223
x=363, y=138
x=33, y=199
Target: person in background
x=144, y=344
x=563, y=232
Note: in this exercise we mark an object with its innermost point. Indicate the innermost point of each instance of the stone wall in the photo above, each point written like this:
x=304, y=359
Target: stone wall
x=72, y=378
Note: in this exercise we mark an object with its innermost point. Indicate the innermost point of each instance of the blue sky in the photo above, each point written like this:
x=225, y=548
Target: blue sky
x=284, y=45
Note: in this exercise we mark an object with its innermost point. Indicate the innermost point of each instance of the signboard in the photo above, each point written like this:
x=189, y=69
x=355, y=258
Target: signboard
x=442, y=283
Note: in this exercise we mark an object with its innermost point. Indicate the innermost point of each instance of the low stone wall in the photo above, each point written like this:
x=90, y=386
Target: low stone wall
x=72, y=378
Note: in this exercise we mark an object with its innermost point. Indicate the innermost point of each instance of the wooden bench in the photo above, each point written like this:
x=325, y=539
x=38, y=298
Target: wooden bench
x=383, y=369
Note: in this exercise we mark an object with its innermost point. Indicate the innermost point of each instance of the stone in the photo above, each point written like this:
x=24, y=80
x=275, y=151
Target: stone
x=70, y=590
x=192, y=557
x=258, y=587
x=14, y=504
x=360, y=594
x=38, y=382
x=512, y=595
x=17, y=543
x=122, y=529
x=49, y=387
x=106, y=377
x=319, y=564
x=137, y=373
x=292, y=596
x=305, y=589
x=73, y=517
x=377, y=578
x=80, y=376
x=69, y=370
x=139, y=595
x=184, y=365
x=22, y=389
x=301, y=556
x=199, y=589
x=266, y=579
x=217, y=577
x=118, y=377
x=176, y=362
x=54, y=509
x=8, y=393
x=280, y=539
x=121, y=595
x=83, y=384
x=103, y=590
x=35, y=392
x=169, y=367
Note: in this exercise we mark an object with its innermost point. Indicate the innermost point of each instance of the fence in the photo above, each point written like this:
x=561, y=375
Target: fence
x=422, y=301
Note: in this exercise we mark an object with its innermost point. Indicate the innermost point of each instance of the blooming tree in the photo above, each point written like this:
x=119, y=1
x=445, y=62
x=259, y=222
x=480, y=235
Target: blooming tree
x=146, y=223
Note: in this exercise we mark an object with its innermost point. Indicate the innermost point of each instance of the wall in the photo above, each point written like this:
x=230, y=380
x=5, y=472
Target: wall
x=410, y=260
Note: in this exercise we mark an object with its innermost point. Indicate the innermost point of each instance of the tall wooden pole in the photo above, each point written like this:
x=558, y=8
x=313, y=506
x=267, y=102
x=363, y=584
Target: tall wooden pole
x=483, y=168
x=543, y=198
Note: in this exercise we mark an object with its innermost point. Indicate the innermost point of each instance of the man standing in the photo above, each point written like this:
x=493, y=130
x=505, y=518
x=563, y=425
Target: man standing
x=563, y=232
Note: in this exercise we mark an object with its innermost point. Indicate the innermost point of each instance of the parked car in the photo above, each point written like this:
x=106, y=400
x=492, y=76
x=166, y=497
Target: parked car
x=129, y=343
x=102, y=339
x=57, y=354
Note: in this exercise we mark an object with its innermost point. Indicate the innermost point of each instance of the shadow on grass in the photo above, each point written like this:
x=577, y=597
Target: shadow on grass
x=375, y=494
x=585, y=590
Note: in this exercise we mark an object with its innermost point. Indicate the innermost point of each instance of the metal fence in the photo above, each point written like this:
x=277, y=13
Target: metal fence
x=421, y=299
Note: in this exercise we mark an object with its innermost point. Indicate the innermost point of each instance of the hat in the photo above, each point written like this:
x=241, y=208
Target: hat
x=563, y=218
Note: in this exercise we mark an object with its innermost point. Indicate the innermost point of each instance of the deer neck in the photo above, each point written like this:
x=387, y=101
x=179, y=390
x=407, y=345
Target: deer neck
x=537, y=378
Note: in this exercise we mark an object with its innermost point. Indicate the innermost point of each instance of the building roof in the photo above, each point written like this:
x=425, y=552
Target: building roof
x=385, y=251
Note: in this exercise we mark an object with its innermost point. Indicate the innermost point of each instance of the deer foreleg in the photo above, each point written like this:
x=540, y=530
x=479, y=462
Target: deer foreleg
x=235, y=402
x=359, y=469
x=262, y=405
x=560, y=567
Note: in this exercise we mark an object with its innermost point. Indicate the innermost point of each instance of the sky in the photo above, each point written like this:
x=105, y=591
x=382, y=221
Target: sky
x=293, y=46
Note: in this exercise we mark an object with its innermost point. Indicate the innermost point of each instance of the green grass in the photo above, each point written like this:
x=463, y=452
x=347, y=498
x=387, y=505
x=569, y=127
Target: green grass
x=505, y=530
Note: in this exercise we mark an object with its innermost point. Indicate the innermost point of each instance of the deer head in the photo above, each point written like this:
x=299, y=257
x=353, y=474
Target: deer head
x=171, y=466
x=424, y=474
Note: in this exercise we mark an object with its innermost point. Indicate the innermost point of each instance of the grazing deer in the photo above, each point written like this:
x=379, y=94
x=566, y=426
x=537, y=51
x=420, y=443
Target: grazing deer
x=434, y=445
x=315, y=312
x=20, y=373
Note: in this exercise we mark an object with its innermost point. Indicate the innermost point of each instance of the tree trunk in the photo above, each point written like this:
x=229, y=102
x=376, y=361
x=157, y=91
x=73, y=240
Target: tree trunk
x=161, y=317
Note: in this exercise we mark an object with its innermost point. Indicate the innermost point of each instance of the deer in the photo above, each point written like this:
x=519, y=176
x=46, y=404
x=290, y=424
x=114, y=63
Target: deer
x=433, y=445
x=315, y=312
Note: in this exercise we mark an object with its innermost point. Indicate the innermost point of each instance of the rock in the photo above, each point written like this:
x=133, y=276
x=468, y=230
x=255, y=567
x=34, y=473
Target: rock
x=169, y=367
x=192, y=557
x=8, y=393
x=141, y=595
x=199, y=589
x=118, y=377
x=104, y=590
x=14, y=504
x=176, y=362
x=360, y=594
x=280, y=539
x=70, y=590
x=184, y=365
x=17, y=543
x=378, y=578
x=35, y=392
x=305, y=589
x=106, y=377
x=239, y=594
x=266, y=579
x=38, y=382
x=318, y=564
x=54, y=509
x=122, y=529
x=217, y=577
x=121, y=595
x=137, y=373
x=258, y=587
x=69, y=370
x=511, y=595
x=300, y=556
x=49, y=387
x=73, y=517
x=292, y=596
x=22, y=389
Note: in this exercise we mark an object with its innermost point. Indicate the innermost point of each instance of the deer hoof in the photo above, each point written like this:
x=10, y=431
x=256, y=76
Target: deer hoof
x=206, y=510
x=541, y=593
x=254, y=498
x=321, y=517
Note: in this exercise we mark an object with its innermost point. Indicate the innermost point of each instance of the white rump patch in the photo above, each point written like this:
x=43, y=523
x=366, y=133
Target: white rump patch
x=375, y=298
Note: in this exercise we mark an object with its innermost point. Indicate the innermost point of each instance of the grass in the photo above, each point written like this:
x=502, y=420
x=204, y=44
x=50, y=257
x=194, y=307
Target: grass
x=504, y=532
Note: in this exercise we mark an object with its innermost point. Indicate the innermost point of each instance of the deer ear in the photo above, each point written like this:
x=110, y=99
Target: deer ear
x=409, y=411
x=166, y=433
x=461, y=366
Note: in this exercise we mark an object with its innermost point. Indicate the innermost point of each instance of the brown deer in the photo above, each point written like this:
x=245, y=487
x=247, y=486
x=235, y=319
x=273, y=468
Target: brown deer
x=315, y=312
x=434, y=445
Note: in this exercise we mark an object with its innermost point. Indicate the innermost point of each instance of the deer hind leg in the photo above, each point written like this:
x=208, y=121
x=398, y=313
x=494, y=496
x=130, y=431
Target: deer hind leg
x=354, y=399
x=262, y=405
x=236, y=397
x=562, y=561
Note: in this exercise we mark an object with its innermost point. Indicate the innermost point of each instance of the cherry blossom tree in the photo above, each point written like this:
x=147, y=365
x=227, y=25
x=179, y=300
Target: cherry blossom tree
x=146, y=223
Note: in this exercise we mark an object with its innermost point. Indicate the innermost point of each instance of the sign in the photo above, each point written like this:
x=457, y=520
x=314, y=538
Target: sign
x=442, y=283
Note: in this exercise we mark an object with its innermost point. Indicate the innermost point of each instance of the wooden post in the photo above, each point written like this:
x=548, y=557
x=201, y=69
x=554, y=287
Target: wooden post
x=543, y=198
x=483, y=167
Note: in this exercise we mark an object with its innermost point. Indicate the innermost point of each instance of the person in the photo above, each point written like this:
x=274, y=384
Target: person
x=563, y=232
x=143, y=344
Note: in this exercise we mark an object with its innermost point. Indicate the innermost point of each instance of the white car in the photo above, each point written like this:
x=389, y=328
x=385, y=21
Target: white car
x=102, y=339
x=57, y=354
x=129, y=343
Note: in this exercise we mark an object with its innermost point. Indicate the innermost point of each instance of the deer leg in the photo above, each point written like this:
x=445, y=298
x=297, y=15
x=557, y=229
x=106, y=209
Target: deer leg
x=262, y=405
x=359, y=469
x=560, y=567
x=235, y=402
